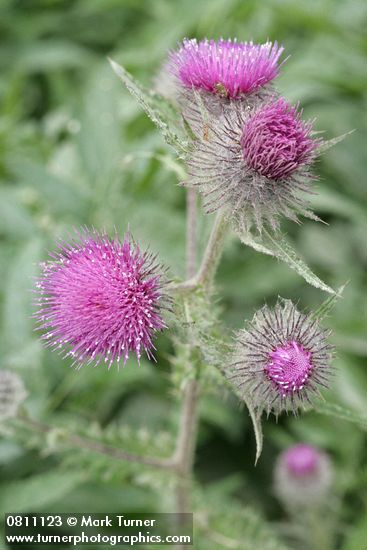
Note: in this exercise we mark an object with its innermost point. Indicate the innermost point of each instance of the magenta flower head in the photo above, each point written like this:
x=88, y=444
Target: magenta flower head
x=225, y=68
x=257, y=162
x=100, y=299
x=302, y=476
x=281, y=359
x=12, y=394
x=276, y=142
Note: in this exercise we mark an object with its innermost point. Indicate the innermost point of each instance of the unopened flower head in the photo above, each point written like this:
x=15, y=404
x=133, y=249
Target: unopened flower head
x=281, y=359
x=225, y=68
x=302, y=476
x=100, y=299
x=12, y=393
x=256, y=161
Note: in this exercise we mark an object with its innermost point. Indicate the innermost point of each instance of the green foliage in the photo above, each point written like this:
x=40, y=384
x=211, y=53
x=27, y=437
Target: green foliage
x=39, y=490
x=224, y=523
x=336, y=411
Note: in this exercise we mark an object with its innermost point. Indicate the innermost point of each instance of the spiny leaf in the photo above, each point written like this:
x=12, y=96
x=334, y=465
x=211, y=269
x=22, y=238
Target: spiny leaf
x=145, y=100
x=256, y=422
x=337, y=411
x=322, y=311
x=325, y=145
x=223, y=523
x=189, y=131
x=281, y=249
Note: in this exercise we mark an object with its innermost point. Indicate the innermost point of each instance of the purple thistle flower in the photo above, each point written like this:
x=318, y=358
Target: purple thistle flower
x=256, y=161
x=281, y=359
x=276, y=141
x=302, y=475
x=226, y=68
x=12, y=393
x=100, y=299
x=289, y=367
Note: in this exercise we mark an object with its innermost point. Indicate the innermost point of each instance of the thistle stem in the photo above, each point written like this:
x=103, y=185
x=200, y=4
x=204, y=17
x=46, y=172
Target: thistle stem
x=213, y=250
x=185, y=447
x=186, y=438
x=210, y=259
x=191, y=228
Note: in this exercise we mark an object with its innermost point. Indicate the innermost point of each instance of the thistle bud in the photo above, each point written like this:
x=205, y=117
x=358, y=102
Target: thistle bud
x=282, y=359
x=256, y=162
x=302, y=476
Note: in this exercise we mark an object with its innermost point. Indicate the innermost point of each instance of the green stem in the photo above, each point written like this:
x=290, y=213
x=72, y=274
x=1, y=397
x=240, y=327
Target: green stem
x=210, y=259
x=213, y=251
x=191, y=236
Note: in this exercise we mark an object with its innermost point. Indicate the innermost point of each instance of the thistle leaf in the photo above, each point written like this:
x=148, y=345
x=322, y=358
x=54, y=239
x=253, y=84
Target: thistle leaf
x=146, y=101
x=281, y=249
x=325, y=145
x=337, y=411
x=223, y=523
x=256, y=422
x=324, y=309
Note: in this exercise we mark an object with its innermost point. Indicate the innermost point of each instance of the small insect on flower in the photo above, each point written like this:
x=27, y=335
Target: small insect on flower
x=257, y=162
x=100, y=299
x=12, y=393
x=225, y=68
x=281, y=359
x=302, y=476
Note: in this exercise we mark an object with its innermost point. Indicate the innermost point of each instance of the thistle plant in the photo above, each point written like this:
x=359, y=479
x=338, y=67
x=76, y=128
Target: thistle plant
x=250, y=154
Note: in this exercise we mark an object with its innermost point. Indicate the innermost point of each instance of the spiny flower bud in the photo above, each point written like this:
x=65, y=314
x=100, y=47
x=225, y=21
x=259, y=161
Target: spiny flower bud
x=225, y=68
x=12, y=394
x=302, y=476
x=281, y=359
x=276, y=142
x=255, y=160
x=101, y=299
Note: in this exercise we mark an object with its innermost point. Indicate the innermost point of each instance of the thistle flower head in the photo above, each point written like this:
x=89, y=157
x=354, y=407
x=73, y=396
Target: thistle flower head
x=276, y=141
x=281, y=359
x=225, y=68
x=12, y=393
x=289, y=367
x=302, y=475
x=100, y=298
x=254, y=160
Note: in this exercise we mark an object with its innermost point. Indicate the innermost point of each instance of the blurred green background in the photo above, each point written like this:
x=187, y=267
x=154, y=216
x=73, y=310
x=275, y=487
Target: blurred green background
x=76, y=149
